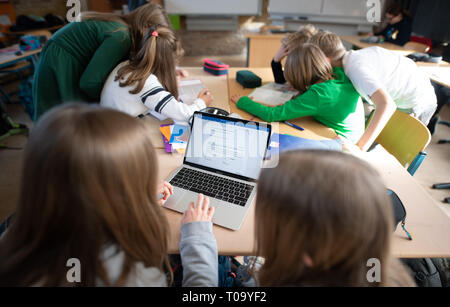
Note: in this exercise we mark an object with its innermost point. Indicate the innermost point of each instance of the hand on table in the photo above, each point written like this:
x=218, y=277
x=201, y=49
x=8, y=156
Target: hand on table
x=166, y=189
x=349, y=147
x=200, y=212
x=235, y=98
x=206, y=96
x=182, y=73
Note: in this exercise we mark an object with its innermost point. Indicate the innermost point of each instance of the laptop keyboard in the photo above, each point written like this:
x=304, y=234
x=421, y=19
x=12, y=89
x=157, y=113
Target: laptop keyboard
x=213, y=186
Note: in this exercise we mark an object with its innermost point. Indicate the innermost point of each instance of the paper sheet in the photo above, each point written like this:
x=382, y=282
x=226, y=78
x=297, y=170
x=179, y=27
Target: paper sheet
x=273, y=94
x=189, y=90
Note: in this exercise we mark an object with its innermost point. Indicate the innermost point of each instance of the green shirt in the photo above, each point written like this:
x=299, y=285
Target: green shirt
x=334, y=103
x=98, y=46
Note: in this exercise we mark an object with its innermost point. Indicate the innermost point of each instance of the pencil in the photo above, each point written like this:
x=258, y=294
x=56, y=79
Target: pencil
x=294, y=126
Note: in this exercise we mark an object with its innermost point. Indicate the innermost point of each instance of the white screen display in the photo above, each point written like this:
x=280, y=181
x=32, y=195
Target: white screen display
x=234, y=147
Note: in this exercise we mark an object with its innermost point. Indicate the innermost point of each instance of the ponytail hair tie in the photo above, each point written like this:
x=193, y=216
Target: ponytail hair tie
x=155, y=33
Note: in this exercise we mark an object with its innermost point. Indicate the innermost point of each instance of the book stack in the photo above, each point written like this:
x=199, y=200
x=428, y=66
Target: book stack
x=175, y=138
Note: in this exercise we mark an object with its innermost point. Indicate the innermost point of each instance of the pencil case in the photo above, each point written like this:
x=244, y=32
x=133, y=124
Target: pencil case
x=248, y=79
x=216, y=68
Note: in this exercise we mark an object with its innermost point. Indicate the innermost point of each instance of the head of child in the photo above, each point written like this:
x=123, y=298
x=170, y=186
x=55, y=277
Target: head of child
x=155, y=49
x=331, y=45
x=307, y=65
x=320, y=216
x=395, y=13
x=89, y=181
x=301, y=36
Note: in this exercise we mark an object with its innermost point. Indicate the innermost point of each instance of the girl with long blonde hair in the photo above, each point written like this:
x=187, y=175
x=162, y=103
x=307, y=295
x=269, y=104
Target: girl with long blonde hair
x=89, y=192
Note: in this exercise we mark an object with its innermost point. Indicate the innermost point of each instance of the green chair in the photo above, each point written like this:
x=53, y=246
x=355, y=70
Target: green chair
x=406, y=138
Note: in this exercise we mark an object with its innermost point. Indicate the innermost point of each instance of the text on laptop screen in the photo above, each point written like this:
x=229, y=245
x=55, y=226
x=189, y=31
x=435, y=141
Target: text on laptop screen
x=225, y=145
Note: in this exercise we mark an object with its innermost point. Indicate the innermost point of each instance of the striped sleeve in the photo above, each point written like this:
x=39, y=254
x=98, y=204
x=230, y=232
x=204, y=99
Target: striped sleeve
x=157, y=99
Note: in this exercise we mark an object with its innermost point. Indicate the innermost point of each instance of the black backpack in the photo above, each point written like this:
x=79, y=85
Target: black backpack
x=429, y=272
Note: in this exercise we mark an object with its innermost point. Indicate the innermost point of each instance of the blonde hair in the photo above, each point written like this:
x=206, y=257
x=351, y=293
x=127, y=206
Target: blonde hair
x=330, y=44
x=305, y=66
x=100, y=188
x=316, y=204
x=301, y=36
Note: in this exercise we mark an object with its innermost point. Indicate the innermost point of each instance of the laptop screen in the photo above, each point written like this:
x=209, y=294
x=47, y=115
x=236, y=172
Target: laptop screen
x=231, y=146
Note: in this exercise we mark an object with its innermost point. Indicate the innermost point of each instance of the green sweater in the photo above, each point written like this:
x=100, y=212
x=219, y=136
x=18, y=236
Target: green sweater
x=98, y=46
x=334, y=103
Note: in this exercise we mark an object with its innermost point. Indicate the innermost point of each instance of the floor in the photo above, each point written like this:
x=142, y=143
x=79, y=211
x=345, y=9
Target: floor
x=435, y=168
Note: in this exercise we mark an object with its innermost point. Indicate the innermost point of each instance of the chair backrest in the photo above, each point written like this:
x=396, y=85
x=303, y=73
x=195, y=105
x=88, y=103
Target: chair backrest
x=404, y=137
x=418, y=47
x=423, y=40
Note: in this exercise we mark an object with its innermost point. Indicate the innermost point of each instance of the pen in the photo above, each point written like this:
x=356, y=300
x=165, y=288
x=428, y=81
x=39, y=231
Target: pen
x=294, y=126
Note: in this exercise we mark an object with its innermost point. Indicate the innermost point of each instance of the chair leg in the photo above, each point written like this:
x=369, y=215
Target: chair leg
x=441, y=186
x=416, y=163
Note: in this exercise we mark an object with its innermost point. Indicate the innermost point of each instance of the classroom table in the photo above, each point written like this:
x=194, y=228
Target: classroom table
x=8, y=55
x=438, y=72
x=428, y=225
x=355, y=40
x=261, y=47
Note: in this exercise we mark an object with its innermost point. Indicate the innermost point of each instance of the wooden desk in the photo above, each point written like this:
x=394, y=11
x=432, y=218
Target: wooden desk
x=439, y=73
x=428, y=225
x=355, y=40
x=261, y=48
x=8, y=56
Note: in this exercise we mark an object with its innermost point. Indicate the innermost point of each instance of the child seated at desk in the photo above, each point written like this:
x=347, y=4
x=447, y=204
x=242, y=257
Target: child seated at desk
x=399, y=28
x=383, y=77
x=325, y=93
x=89, y=191
x=148, y=82
x=289, y=43
x=317, y=224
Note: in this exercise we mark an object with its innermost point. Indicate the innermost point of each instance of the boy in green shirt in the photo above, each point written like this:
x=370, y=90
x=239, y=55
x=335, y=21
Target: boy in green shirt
x=326, y=94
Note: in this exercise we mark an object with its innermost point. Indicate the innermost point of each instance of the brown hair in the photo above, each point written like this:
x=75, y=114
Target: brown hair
x=330, y=44
x=328, y=206
x=89, y=180
x=301, y=36
x=305, y=66
x=156, y=55
x=396, y=9
x=149, y=54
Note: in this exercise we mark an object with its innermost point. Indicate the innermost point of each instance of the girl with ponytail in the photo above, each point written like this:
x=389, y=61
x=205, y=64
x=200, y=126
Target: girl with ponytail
x=147, y=82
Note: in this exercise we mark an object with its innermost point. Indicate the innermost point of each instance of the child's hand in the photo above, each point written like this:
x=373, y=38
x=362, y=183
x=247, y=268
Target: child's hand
x=235, y=98
x=206, y=96
x=281, y=54
x=182, y=73
x=166, y=189
x=200, y=212
x=349, y=147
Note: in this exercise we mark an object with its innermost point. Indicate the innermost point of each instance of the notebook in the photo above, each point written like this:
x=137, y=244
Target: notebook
x=280, y=143
x=273, y=94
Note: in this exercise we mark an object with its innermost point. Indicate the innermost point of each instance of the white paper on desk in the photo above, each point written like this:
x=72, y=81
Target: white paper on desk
x=189, y=90
x=273, y=94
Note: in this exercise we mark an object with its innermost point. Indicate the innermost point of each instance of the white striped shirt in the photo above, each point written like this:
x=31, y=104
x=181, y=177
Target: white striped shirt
x=152, y=99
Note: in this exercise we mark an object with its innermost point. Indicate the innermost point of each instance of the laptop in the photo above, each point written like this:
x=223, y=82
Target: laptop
x=223, y=161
